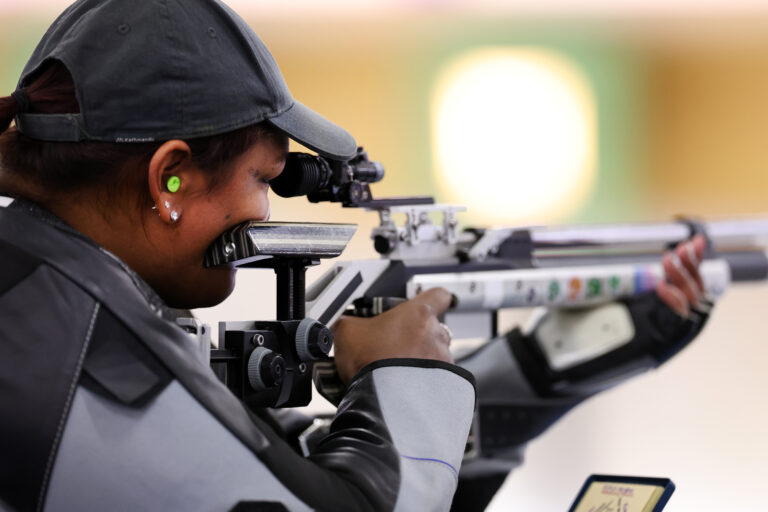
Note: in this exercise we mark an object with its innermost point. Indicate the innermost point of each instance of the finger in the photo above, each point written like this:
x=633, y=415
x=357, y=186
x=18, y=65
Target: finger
x=674, y=298
x=679, y=277
x=690, y=260
x=700, y=246
x=439, y=299
x=687, y=257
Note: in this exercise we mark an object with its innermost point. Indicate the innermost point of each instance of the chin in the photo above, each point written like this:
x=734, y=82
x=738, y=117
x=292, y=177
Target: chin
x=206, y=290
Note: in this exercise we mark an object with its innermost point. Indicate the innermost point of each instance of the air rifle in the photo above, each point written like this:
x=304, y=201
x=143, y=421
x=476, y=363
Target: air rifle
x=269, y=363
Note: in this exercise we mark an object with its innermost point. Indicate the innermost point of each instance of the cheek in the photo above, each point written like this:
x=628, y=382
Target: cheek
x=255, y=207
x=263, y=212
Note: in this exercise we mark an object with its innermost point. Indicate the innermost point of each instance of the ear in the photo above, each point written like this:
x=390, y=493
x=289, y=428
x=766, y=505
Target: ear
x=173, y=158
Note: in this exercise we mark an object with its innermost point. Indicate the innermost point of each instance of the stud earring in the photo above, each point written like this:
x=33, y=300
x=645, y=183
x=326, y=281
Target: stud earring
x=174, y=215
x=166, y=204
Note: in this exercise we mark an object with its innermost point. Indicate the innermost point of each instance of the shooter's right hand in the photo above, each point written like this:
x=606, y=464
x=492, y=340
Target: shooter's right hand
x=409, y=330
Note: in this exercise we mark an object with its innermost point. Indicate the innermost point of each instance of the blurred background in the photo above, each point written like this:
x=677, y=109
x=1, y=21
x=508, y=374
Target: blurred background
x=550, y=112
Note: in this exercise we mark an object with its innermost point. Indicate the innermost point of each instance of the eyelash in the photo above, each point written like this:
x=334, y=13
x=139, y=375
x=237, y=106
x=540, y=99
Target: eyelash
x=261, y=179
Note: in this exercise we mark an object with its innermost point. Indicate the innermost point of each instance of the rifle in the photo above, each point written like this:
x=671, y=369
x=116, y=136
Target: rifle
x=270, y=364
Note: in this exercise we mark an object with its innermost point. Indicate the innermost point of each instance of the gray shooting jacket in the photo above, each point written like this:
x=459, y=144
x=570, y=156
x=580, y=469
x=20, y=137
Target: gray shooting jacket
x=104, y=404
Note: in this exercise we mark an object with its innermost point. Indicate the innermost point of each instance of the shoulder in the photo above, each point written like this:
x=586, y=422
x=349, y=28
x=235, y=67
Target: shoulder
x=82, y=348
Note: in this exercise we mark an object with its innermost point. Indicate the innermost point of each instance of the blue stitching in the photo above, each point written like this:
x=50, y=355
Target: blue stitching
x=431, y=460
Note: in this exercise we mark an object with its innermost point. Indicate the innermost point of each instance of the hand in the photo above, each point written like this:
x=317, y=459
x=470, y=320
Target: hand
x=409, y=330
x=683, y=288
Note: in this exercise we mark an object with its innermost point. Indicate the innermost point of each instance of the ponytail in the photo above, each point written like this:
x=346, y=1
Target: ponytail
x=11, y=105
x=52, y=91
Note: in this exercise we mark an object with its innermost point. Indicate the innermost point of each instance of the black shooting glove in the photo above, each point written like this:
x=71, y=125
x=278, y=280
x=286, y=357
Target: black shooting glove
x=521, y=393
x=659, y=333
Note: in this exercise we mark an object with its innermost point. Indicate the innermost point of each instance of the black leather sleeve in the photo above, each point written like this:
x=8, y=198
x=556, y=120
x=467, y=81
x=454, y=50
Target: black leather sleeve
x=359, y=464
x=356, y=466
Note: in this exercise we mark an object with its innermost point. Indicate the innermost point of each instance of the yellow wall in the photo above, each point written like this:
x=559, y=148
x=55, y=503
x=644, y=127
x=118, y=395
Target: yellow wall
x=707, y=128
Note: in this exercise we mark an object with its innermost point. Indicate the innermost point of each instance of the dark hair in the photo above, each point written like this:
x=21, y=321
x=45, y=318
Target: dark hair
x=30, y=167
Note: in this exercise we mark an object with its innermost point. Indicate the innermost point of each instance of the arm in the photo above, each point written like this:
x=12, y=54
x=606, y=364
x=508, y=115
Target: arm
x=528, y=379
x=395, y=443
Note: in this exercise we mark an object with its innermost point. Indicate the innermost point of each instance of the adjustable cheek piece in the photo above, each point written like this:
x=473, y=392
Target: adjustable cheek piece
x=272, y=363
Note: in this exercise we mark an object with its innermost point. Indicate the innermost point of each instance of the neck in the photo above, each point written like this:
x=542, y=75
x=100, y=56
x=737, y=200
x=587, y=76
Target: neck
x=115, y=225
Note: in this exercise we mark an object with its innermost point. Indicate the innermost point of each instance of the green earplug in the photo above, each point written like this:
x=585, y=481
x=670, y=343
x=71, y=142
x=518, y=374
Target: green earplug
x=173, y=183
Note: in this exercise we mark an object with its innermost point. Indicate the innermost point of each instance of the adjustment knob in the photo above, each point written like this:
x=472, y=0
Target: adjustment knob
x=355, y=193
x=384, y=244
x=265, y=369
x=313, y=340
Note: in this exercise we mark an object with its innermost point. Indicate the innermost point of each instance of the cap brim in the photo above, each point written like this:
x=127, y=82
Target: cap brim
x=312, y=130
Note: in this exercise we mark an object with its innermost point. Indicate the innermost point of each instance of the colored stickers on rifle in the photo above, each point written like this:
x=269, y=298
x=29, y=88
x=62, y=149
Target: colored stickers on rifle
x=614, y=283
x=575, y=288
x=554, y=291
x=645, y=280
x=594, y=288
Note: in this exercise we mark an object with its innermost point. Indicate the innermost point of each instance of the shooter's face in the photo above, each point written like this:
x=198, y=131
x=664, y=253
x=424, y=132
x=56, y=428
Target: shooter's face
x=242, y=197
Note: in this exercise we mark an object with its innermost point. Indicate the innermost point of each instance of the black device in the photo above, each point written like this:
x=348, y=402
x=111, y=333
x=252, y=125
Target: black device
x=611, y=493
x=346, y=182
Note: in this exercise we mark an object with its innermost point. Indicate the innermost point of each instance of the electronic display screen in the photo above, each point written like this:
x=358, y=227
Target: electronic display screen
x=605, y=493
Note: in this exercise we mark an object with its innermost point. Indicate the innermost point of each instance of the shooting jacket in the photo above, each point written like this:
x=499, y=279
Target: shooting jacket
x=105, y=405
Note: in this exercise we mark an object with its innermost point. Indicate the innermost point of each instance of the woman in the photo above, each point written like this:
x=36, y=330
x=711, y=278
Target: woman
x=142, y=132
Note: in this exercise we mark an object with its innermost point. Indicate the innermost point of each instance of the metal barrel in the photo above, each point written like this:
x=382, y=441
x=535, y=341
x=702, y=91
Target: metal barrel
x=652, y=237
x=741, y=243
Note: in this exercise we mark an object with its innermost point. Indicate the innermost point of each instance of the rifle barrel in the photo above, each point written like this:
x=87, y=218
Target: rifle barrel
x=725, y=235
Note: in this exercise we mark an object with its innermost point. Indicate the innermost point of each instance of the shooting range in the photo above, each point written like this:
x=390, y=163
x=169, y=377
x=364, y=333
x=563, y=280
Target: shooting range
x=548, y=114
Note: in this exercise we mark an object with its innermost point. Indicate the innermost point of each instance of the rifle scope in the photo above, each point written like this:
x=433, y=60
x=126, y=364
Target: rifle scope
x=321, y=179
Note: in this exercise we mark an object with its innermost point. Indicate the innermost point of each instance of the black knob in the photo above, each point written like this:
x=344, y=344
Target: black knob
x=355, y=193
x=383, y=244
x=266, y=369
x=313, y=340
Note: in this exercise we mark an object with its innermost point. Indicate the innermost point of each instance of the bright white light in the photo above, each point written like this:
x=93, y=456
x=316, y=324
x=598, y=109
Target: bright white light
x=514, y=135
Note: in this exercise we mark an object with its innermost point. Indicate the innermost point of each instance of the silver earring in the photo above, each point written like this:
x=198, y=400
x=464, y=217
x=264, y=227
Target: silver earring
x=174, y=215
x=154, y=207
x=167, y=205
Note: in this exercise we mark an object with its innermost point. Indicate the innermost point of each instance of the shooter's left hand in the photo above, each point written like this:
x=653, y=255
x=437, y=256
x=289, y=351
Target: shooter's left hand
x=683, y=289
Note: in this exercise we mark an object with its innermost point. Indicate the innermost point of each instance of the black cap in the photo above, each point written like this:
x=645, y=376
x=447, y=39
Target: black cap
x=171, y=69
